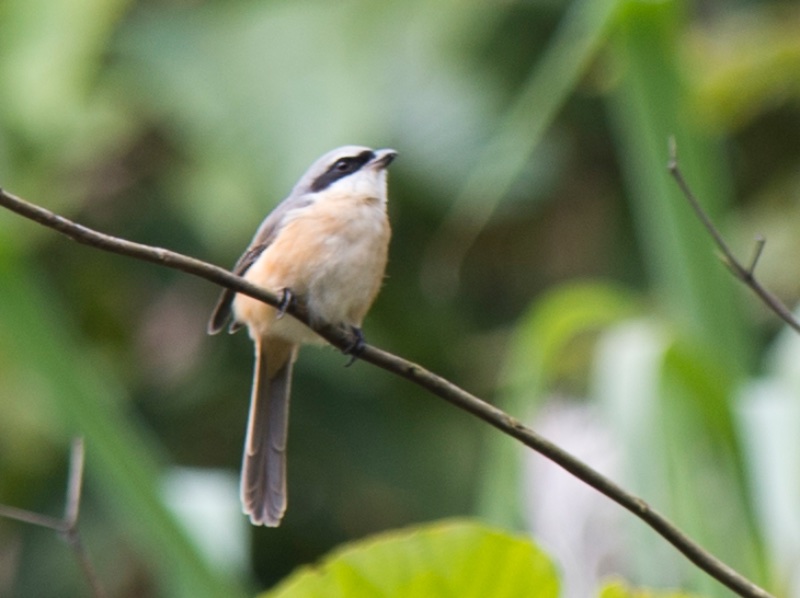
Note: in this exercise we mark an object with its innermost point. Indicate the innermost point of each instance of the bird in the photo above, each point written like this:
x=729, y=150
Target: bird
x=325, y=245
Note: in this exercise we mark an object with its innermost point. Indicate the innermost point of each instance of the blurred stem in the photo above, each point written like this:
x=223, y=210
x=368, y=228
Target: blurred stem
x=122, y=461
x=579, y=37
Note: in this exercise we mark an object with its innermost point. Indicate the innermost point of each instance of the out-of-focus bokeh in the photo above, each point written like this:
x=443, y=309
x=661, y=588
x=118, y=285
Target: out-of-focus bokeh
x=542, y=258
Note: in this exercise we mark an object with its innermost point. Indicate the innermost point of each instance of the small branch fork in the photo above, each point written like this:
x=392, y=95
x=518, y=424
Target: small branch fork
x=343, y=339
x=67, y=527
x=744, y=274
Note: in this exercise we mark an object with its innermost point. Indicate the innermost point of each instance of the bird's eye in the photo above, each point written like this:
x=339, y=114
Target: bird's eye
x=342, y=165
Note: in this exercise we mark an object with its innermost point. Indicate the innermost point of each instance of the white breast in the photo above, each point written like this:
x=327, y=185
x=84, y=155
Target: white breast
x=353, y=261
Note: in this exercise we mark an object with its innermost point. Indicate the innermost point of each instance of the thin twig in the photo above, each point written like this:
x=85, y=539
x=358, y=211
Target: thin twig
x=37, y=519
x=415, y=373
x=67, y=528
x=72, y=508
x=757, y=251
x=71, y=512
x=746, y=275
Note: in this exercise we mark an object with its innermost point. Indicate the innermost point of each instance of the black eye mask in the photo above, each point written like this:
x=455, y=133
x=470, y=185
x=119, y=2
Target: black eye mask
x=341, y=168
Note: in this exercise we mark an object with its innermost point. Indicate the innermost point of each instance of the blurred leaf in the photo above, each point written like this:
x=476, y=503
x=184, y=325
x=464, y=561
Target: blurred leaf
x=546, y=347
x=626, y=382
x=768, y=416
x=745, y=64
x=52, y=52
x=455, y=558
x=703, y=454
x=667, y=407
x=711, y=387
x=545, y=336
x=783, y=357
x=580, y=36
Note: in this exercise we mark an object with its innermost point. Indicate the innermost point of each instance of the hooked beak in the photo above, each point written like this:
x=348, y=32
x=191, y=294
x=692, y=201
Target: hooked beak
x=383, y=158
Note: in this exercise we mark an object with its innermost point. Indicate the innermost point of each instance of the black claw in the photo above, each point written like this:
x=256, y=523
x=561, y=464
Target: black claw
x=357, y=348
x=287, y=298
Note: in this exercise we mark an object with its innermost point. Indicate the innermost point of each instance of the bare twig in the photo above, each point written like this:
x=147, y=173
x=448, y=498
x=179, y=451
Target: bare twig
x=415, y=373
x=75, y=484
x=757, y=251
x=745, y=274
x=67, y=528
x=31, y=517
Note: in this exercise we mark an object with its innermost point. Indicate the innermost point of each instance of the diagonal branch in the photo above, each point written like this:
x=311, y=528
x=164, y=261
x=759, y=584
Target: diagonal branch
x=435, y=384
x=68, y=526
x=746, y=275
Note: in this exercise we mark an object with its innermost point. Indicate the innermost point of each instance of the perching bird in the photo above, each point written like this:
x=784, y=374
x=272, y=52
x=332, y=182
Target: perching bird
x=326, y=245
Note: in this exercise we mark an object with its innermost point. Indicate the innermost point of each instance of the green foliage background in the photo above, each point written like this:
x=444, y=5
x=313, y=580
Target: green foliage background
x=540, y=250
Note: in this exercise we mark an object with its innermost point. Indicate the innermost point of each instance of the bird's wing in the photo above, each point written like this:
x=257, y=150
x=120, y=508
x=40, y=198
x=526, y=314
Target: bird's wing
x=264, y=237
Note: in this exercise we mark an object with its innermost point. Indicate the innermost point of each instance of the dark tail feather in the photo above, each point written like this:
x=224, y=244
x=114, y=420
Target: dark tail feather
x=263, y=486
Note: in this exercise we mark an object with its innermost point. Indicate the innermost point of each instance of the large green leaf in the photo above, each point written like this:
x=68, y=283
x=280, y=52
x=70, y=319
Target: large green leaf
x=454, y=558
x=617, y=589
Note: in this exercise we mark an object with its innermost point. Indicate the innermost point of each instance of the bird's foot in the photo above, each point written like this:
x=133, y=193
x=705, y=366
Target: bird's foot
x=357, y=347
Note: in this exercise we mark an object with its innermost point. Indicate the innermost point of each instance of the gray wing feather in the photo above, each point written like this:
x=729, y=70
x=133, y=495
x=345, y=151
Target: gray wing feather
x=263, y=238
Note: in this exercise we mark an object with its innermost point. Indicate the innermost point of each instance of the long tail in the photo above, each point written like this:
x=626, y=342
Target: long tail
x=263, y=485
